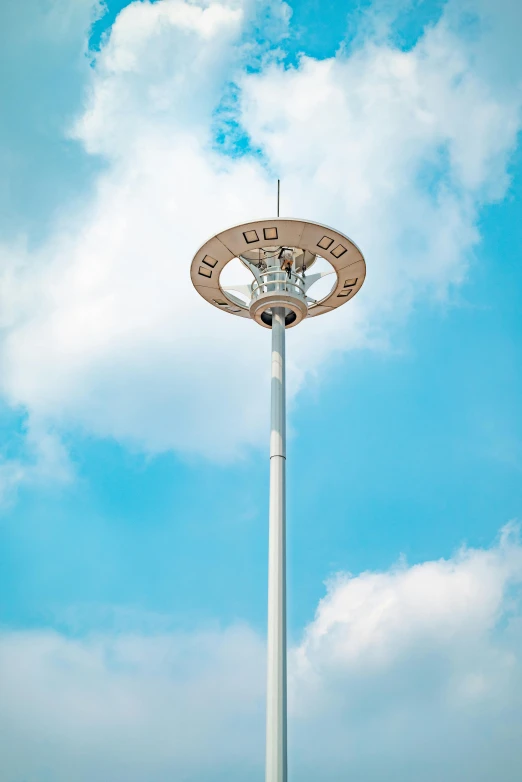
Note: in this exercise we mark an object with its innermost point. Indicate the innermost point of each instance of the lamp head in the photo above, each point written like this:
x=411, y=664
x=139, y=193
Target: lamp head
x=278, y=253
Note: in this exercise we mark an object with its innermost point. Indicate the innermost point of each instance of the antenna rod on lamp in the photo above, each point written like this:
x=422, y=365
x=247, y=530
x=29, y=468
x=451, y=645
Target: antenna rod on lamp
x=278, y=192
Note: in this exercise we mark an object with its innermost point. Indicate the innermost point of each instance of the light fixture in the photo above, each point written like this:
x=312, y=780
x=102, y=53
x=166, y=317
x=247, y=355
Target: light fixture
x=338, y=251
x=276, y=301
x=325, y=243
x=208, y=261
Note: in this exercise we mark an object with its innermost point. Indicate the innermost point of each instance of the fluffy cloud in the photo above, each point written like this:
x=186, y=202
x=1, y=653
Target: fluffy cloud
x=43, y=459
x=42, y=54
x=413, y=673
x=399, y=149
x=107, y=305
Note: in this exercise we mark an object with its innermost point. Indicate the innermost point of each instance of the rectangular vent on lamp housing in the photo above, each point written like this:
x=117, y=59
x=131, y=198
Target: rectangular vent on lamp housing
x=208, y=261
x=205, y=272
x=325, y=243
x=250, y=236
x=338, y=251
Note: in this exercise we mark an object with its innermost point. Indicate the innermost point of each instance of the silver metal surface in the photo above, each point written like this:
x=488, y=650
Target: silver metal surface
x=276, y=744
x=273, y=287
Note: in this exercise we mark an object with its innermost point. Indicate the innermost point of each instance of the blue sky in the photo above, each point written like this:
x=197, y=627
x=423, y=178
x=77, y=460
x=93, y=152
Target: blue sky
x=134, y=471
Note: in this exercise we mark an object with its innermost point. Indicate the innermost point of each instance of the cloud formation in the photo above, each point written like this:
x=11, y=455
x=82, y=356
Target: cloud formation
x=42, y=56
x=414, y=673
x=102, y=331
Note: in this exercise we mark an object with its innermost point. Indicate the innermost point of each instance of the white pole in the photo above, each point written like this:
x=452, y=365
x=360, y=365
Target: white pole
x=276, y=761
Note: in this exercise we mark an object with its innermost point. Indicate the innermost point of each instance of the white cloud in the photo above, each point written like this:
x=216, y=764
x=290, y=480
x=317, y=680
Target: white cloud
x=107, y=305
x=43, y=460
x=414, y=673
x=163, y=63
x=130, y=707
x=422, y=662
x=398, y=149
x=42, y=55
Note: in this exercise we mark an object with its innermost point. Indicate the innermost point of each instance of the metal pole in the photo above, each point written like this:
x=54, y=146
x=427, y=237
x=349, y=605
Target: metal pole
x=276, y=759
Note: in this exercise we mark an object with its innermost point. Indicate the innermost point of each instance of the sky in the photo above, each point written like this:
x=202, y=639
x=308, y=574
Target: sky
x=134, y=417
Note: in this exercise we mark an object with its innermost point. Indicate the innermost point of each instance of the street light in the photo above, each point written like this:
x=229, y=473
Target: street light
x=279, y=253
